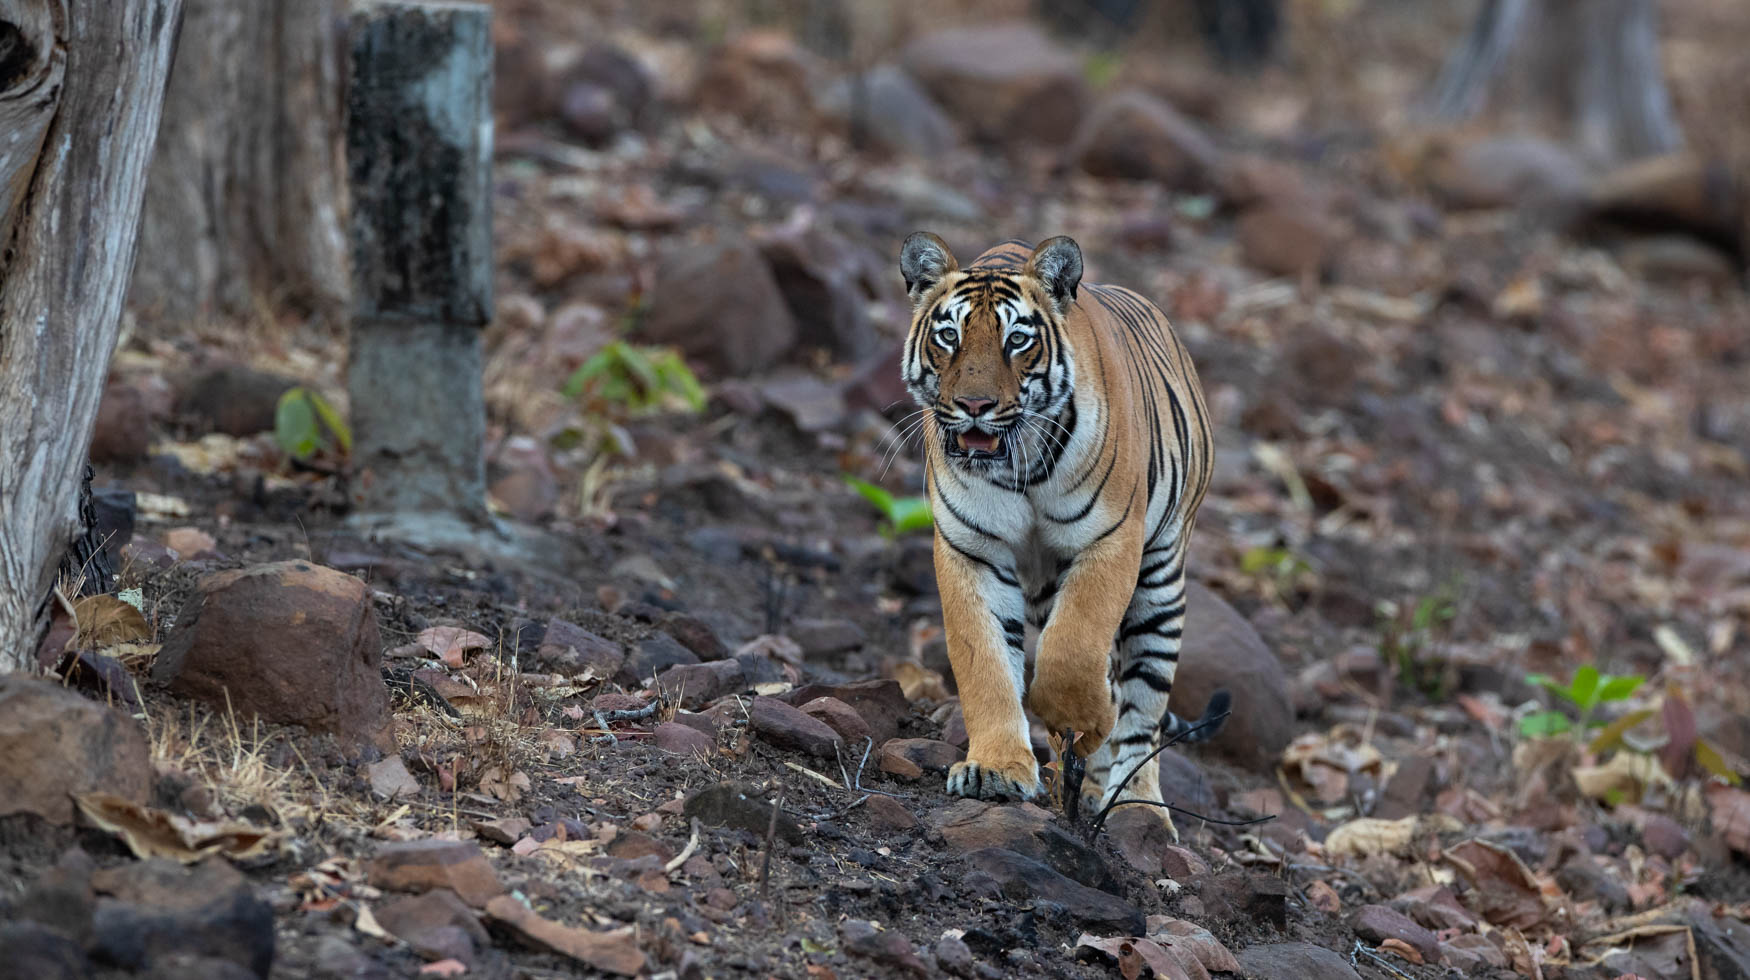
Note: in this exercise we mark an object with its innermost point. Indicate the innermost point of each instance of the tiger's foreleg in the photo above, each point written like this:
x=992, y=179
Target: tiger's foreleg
x=982, y=610
x=1070, y=688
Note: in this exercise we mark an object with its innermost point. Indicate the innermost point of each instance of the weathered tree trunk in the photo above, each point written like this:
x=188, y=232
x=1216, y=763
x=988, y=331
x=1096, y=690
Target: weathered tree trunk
x=81, y=87
x=419, y=152
x=245, y=208
x=1592, y=63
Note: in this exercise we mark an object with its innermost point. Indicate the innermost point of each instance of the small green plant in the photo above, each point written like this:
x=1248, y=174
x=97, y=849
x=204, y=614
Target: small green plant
x=624, y=379
x=1279, y=572
x=902, y=514
x=1408, y=639
x=1101, y=67
x=304, y=424
x=1585, y=692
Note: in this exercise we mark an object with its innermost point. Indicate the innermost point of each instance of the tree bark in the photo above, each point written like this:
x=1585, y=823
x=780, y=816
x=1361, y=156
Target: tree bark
x=245, y=208
x=81, y=89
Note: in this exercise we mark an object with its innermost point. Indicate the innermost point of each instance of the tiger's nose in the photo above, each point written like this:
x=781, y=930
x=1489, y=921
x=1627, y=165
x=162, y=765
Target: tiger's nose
x=974, y=406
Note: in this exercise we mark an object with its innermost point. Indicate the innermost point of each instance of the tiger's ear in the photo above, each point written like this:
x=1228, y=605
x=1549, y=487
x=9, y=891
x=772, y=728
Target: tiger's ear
x=923, y=260
x=1057, y=263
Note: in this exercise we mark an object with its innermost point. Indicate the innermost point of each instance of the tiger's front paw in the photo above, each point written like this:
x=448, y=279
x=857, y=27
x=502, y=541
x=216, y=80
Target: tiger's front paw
x=989, y=781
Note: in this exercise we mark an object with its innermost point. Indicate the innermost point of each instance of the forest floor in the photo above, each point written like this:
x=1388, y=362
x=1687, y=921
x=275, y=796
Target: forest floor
x=1457, y=447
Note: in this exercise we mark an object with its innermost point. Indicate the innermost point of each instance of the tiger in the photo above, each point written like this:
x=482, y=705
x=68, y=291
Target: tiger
x=1067, y=449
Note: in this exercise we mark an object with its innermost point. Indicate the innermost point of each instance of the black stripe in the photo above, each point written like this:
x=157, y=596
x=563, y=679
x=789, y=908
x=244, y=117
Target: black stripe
x=1144, y=672
x=1003, y=576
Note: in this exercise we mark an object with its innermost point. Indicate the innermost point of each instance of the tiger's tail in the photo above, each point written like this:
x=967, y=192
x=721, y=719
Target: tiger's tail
x=1177, y=729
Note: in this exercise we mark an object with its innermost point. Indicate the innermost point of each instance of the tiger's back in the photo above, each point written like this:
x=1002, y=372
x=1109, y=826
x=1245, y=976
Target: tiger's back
x=1068, y=451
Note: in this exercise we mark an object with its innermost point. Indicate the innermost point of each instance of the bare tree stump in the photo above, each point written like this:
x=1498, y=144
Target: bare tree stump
x=1593, y=63
x=81, y=89
x=419, y=152
x=245, y=208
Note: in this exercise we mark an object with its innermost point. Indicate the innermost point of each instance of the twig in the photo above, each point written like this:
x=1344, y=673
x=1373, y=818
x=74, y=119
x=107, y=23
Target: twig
x=771, y=839
x=810, y=773
x=602, y=718
x=686, y=852
x=1117, y=794
x=856, y=782
x=1377, y=959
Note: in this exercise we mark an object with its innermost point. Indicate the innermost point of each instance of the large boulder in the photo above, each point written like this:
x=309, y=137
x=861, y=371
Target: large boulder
x=827, y=283
x=1135, y=136
x=719, y=303
x=1006, y=83
x=889, y=109
x=288, y=641
x=1221, y=650
x=55, y=743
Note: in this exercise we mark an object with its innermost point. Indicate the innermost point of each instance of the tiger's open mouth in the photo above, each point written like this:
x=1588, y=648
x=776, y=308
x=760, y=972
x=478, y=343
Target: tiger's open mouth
x=978, y=444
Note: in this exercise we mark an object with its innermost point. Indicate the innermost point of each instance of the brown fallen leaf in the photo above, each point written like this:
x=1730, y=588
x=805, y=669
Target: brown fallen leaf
x=1401, y=950
x=1507, y=893
x=1133, y=953
x=103, y=621
x=1324, y=898
x=1199, y=942
x=612, y=952
x=509, y=788
x=189, y=541
x=918, y=682
x=1730, y=811
x=151, y=833
x=451, y=644
x=97, y=674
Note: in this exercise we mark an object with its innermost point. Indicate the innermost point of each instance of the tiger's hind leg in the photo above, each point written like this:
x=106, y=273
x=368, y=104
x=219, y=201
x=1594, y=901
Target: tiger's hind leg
x=1148, y=658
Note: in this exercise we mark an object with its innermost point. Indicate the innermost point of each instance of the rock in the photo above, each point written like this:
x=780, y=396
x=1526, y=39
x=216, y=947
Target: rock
x=1006, y=83
x=1256, y=897
x=620, y=74
x=1181, y=863
x=523, y=479
x=811, y=404
x=892, y=111
x=954, y=729
x=718, y=302
x=36, y=952
x=696, y=635
x=335, y=959
x=437, y=925
x=629, y=845
x=1302, y=961
x=828, y=284
x=955, y=957
x=889, y=815
x=421, y=865
x=1184, y=783
x=55, y=743
x=910, y=758
x=153, y=909
x=289, y=642
x=571, y=649
x=655, y=654
x=1502, y=172
x=968, y=825
x=1142, y=839
x=876, y=385
x=1677, y=260
x=1222, y=651
x=612, y=952
x=890, y=949
x=682, y=739
x=1664, y=836
x=734, y=805
x=881, y=703
x=1377, y=923
x=841, y=718
x=1286, y=239
x=232, y=399
x=390, y=779
x=504, y=830
x=825, y=637
x=697, y=685
x=1677, y=192
x=61, y=898
x=1469, y=953
x=1023, y=878
x=123, y=433
x=789, y=727
x=1134, y=136
x=760, y=77
x=113, y=510
x=591, y=113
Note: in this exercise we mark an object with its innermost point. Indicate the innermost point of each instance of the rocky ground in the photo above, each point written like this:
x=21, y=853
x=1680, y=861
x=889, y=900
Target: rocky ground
x=1470, y=428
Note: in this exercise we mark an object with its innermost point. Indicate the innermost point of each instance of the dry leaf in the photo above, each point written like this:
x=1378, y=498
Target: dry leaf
x=451, y=644
x=612, y=952
x=1196, y=940
x=1134, y=953
x=444, y=968
x=1402, y=950
x=1507, y=893
x=103, y=621
x=918, y=682
x=1367, y=836
x=366, y=922
x=507, y=788
x=1731, y=815
x=189, y=541
x=151, y=833
x=1324, y=898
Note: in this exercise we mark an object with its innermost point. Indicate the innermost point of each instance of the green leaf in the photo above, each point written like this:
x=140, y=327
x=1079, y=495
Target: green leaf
x=294, y=424
x=332, y=420
x=1542, y=724
x=1711, y=760
x=912, y=514
x=1611, y=736
x=1584, y=691
x=882, y=500
x=810, y=946
x=1620, y=688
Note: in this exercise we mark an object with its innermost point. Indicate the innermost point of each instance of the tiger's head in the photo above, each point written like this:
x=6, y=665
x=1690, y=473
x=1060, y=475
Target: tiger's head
x=986, y=355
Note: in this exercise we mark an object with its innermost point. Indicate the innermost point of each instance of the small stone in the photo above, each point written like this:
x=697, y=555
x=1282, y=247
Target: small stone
x=890, y=949
x=151, y=910
x=1141, y=837
x=36, y=952
x=697, y=685
x=232, y=399
x=955, y=957
x=889, y=815
x=630, y=845
x=437, y=925
x=882, y=703
x=420, y=865
x=788, y=727
x=720, y=898
x=1301, y=961
x=1006, y=82
x=506, y=831
x=654, y=655
x=910, y=758
x=969, y=825
x=681, y=739
x=719, y=302
x=1022, y=878
x=1257, y=897
x=1663, y=836
x=390, y=779
x=55, y=744
x=1473, y=948
x=1377, y=923
x=825, y=637
x=1285, y=239
x=1133, y=135
x=289, y=641
x=696, y=635
x=571, y=649
x=1181, y=864
x=730, y=804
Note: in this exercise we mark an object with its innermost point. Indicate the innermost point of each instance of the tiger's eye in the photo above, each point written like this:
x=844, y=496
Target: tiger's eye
x=1019, y=341
x=947, y=335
